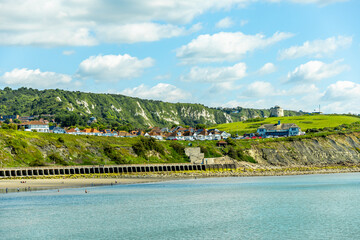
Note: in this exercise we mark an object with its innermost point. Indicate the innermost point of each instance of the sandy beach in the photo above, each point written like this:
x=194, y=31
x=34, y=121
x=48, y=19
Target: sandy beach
x=14, y=185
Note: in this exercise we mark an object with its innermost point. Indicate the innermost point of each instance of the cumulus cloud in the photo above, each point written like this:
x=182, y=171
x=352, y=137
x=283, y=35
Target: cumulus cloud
x=267, y=69
x=317, y=48
x=343, y=90
x=87, y=23
x=216, y=74
x=161, y=91
x=261, y=89
x=225, y=46
x=141, y=32
x=34, y=78
x=113, y=68
x=316, y=71
x=319, y=2
x=223, y=87
x=303, y=89
x=342, y=97
x=225, y=23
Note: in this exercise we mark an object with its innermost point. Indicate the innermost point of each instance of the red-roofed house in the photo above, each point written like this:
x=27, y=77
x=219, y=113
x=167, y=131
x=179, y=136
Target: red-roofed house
x=37, y=126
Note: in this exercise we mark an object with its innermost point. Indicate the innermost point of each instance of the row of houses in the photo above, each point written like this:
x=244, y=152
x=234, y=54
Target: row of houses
x=177, y=133
x=24, y=118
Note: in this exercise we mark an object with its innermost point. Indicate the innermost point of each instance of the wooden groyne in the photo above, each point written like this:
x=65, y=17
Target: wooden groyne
x=135, y=168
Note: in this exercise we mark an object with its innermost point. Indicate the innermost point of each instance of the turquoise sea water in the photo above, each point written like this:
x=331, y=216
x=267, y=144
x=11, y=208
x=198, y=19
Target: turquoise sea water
x=288, y=207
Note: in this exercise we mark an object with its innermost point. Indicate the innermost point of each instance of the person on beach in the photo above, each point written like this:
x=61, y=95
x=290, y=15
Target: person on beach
x=86, y=191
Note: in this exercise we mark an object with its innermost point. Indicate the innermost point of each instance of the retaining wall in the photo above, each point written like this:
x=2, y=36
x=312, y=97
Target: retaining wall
x=71, y=170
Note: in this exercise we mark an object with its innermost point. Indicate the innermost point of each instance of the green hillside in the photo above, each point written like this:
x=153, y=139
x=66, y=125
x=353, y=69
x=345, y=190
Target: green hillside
x=112, y=110
x=304, y=122
x=23, y=149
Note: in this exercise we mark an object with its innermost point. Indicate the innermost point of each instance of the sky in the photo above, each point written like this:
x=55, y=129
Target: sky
x=298, y=54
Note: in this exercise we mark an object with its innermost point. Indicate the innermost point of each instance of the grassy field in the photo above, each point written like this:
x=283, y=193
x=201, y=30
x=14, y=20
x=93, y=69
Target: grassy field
x=304, y=122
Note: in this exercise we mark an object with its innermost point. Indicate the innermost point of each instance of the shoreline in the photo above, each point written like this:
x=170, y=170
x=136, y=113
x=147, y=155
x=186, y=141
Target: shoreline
x=21, y=184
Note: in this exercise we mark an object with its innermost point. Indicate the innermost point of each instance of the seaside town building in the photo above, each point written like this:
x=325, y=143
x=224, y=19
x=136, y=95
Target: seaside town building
x=276, y=111
x=38, y=126
x=279, y=129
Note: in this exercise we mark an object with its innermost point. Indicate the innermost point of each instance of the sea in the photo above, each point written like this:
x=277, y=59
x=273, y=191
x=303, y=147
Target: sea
x=283, y=207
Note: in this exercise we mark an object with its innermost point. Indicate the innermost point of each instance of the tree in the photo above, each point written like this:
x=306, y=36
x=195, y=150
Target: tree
x=13, y=126
x=200, y=126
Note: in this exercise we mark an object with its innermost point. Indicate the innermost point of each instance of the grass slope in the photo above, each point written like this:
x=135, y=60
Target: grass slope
x=304, y=122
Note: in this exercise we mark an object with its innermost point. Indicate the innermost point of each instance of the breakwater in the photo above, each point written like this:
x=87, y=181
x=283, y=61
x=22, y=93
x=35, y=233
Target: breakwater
x=134, y=168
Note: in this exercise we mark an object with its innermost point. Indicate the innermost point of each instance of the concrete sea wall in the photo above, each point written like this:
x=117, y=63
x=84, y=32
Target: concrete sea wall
x=71, y=170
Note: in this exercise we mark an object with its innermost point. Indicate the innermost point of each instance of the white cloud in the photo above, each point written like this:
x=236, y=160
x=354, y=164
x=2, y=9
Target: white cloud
x=225, y=46
x=113, y=68
x=225, y=23
x=223, y=87
x=316, y=71
x=319, y=2
x=267, y=69
x=34, y=78
x=343, y=90
x=342, y=97
x=161, y=91
x=303, y=89
x=68, y=52
x=317, y=48
x=216, y=74
x=141, y=32
x=260, y=89
x=244, y=22
x=87, y=23
x=162, y=77
x=49, y=37
x=261, y=103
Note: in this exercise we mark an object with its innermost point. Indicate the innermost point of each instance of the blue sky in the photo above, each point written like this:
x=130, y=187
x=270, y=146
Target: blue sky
x=249, y=53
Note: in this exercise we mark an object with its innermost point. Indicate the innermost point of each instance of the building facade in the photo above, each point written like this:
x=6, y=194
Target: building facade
x=276, y=111
x=37, y=126
x=279, y=129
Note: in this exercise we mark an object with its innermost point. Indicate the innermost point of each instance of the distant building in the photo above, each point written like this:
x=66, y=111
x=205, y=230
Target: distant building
x=58, y=130
x=276, y=112
x=91, y=120
x=279, y=129
x=37, y=126
x=10, y=117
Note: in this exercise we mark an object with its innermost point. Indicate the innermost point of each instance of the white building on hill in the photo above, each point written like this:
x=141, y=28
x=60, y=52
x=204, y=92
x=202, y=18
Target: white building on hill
x=276, y=112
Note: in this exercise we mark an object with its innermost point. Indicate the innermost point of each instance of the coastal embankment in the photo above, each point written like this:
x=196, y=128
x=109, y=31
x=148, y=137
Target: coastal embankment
x=319, y=154
x=15, y=184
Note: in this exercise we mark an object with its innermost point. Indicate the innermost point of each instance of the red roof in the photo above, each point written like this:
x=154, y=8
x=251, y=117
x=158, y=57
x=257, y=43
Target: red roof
x=34, y=123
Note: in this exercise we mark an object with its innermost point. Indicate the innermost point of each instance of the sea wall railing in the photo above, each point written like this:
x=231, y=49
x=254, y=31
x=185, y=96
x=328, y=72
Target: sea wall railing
x=134, y=168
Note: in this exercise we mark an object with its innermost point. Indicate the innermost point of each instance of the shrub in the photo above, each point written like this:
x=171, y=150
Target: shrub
x=230, y=141
x=114, y=155
x=239, y=155
x=56, y=158
x=147, y=144
x=179, y=148
x=36, y=163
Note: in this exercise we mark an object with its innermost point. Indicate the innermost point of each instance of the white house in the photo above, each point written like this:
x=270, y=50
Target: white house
x=36, y=126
